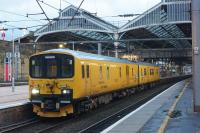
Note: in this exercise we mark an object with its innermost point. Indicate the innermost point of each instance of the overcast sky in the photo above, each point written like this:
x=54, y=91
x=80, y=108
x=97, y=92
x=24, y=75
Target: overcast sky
x=103, y=8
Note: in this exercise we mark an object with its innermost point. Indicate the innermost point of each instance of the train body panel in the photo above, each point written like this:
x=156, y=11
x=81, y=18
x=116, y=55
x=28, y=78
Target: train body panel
x=80, y=76
x=100, y=77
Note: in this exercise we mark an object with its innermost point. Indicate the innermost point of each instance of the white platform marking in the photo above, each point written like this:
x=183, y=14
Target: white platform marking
x=138, y=109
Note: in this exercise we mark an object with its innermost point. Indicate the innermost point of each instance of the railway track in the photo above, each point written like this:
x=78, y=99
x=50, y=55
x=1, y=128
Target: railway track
x=16, y=126
x=9, y=84
x=39, y=124
x=98, y=125
x=106, y=122
x=92, y=121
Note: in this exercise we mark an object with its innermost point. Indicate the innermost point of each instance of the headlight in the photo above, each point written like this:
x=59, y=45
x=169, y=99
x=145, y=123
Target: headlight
x=35, y=91
x=65, y=91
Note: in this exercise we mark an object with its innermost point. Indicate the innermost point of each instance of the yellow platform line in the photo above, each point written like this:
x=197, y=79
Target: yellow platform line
x=167, y=118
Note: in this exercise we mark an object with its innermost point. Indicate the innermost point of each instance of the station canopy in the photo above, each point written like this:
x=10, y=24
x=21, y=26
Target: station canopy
x=166, y=25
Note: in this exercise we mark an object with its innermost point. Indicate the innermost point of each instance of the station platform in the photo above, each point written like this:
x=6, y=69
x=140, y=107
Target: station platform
x=169, y=112
x=11, y=99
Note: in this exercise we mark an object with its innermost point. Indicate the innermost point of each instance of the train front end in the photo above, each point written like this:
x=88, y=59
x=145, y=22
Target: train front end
x=50, y=87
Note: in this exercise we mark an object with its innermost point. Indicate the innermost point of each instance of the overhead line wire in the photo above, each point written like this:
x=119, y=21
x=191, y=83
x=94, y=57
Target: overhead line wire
x=48, y=5
x=43, y=11
x=12, y=13
x=75, y=13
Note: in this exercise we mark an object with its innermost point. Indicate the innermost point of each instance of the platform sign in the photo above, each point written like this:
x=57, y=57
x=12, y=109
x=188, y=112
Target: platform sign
x=17, y=65
x=3, y=35
x=7, y=66
x=2, y=31
x=6, y=71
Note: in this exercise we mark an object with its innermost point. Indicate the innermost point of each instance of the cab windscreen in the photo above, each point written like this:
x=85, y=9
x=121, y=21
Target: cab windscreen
x=51, y=66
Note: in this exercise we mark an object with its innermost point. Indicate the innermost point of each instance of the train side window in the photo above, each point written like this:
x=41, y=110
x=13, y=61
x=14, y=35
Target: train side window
x=120, y=72
x=108, y=72
x=145, y=72
x=83, y=71
x=87, y=71
x=132, y=72
x=100, y=72
x=127, y=71
x=141, y=72
x=156, y=72
x=151, y=72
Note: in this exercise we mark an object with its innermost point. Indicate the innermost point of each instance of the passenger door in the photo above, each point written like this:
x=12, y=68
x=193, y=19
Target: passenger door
x=87, y=79
x=127, y=74
x=139, y=75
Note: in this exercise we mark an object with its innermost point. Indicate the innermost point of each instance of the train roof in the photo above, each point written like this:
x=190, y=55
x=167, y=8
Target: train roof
x=84, y=55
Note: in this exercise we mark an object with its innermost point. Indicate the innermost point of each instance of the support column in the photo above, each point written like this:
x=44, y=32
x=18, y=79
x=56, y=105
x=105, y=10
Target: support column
x=108, y=53
x=73, y=45
x=13, y=62
x=99, y=48
x=35, y=48
x=116, y=43
x=196, y=54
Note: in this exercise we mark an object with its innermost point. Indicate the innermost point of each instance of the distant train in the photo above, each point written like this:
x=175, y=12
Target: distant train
x=63, y=81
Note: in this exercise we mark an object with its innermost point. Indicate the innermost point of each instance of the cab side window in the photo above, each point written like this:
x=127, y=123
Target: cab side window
x=132, y=72
x=145, y=72
x=87, y=71
x=83, y=71
x=141, y=72
x=120, y=72
x=100, y=72
x=108, y=72
x=127, y=70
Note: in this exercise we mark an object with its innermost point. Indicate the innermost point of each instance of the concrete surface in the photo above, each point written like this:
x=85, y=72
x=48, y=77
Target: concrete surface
x=14, y=106
x=10, y=99
x=16, y=114
x=136, y=120
x=185, y=121
x=188, y=121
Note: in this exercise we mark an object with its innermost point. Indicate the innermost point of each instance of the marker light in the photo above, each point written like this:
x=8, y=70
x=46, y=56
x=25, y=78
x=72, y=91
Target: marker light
x=65, y=91
x=35, y=91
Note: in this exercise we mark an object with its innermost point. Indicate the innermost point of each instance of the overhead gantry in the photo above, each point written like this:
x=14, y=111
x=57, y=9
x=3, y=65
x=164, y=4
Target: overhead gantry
x=166, y=25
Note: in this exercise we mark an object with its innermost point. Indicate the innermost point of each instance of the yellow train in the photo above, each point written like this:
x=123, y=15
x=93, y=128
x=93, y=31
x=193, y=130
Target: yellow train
x=63, y=81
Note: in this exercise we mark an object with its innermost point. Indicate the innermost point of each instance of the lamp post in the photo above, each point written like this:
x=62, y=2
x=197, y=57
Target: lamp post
x=13, y=62
x=73, y=45
x=196, y=52
x=116, y=43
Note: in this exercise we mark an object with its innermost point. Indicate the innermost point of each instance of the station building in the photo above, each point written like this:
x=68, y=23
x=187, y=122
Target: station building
x=156, y=35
